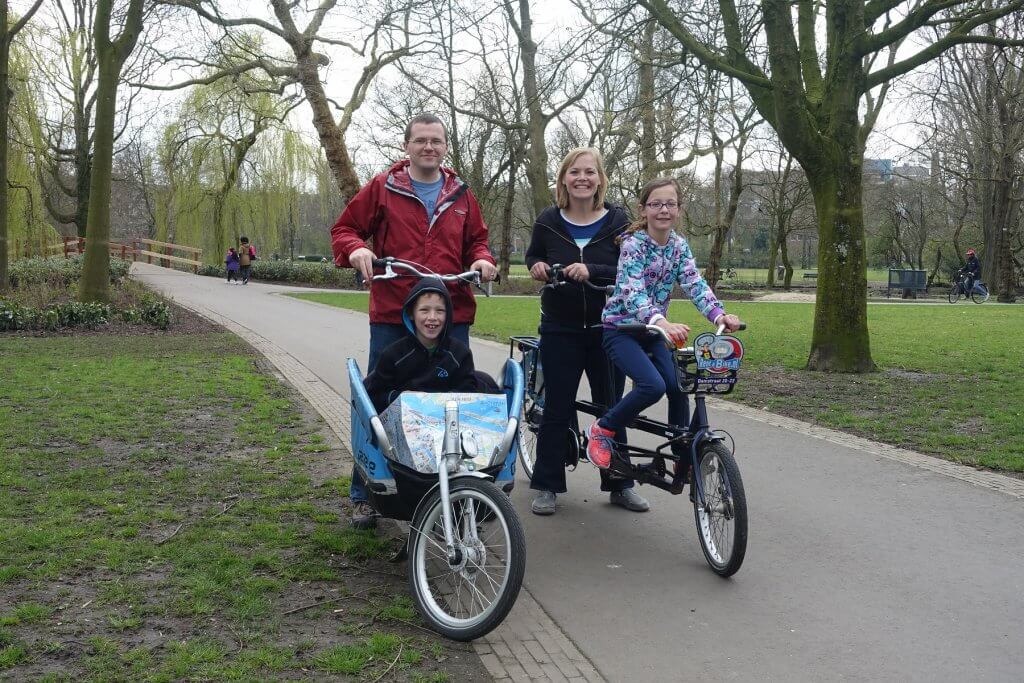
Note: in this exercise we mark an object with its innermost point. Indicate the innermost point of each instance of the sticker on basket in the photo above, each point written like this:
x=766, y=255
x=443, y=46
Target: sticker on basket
x=717, y=355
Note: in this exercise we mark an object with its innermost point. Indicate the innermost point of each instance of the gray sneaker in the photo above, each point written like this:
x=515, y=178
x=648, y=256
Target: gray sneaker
x=544, y=503
x=630, y=499
x=363, y=516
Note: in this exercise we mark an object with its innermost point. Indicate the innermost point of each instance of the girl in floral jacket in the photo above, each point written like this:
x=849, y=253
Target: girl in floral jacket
x=653, y=258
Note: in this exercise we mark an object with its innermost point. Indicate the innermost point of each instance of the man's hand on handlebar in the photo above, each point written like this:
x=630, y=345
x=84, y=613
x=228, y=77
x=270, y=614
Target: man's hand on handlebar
x=487, y=269
x=677, y=332
x=732, y=322
x=362, y=260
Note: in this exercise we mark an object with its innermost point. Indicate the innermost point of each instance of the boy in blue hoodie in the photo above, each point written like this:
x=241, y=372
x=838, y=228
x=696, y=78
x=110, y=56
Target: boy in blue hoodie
x=427, y=359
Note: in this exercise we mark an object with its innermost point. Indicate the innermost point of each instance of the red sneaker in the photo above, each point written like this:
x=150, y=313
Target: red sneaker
x=600, y=442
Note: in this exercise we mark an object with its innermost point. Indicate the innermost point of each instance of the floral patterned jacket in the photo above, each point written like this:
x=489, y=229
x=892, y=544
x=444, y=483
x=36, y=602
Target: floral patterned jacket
x=646, y=275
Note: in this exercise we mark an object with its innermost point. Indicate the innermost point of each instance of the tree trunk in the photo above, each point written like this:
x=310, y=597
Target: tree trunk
x=537, y=155
x=505, y=246
x=5, y=105
x=83, y=173
x=96, y=266
x=110, y=57
x=327, y=129
x=645, y=102
x=840, y=342
x=787, y=282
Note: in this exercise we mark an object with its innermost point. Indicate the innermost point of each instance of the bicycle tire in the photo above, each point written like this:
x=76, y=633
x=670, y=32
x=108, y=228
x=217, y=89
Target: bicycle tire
x=722, y=521
x=979, y=297
x=954, y=294
x=529, y=428
x=442, y=611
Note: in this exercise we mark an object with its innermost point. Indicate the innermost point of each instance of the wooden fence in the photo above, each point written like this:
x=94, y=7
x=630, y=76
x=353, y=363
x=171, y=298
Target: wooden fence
x=136, y=249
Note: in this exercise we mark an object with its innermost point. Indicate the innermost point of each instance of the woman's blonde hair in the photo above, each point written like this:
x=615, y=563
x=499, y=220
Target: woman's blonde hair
x=561, y=196
x=645, y=193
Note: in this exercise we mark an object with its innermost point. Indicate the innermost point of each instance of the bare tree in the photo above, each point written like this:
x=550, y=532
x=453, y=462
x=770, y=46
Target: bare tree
x=811, y=95
x=383, y=41
x=979, y=128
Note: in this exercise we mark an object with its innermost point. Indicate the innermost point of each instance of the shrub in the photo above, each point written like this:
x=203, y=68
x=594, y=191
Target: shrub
x=151, y=310
x=15, y=316
x=59, y=271
x=319, y=274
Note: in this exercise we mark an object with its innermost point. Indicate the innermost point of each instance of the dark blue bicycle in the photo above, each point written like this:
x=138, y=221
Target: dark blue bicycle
x=710, y=366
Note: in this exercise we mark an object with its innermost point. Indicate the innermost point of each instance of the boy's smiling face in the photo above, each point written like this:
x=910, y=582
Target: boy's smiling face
x=428, y=318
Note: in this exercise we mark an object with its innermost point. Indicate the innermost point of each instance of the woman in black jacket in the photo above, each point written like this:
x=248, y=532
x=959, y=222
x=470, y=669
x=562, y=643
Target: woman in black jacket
x=579, y=233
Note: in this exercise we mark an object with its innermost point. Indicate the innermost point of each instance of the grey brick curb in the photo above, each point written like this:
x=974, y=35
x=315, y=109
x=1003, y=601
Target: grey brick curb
x=528, y=645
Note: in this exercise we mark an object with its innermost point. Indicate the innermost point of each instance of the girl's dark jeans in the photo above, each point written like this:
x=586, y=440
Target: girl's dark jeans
x=653, y=376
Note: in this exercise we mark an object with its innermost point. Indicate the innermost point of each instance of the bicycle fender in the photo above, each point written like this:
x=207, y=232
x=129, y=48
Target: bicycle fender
x=451, y=478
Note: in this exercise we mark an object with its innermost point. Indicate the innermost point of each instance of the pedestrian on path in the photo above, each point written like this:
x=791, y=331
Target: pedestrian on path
x=231, y=263
x=580, y=232
x=421, y=212
x=246, y=255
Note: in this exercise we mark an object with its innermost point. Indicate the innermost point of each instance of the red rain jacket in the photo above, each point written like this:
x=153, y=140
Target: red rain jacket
x=388, y=211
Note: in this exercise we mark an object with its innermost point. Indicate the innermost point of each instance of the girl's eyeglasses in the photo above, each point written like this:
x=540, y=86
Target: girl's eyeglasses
x=658, y=206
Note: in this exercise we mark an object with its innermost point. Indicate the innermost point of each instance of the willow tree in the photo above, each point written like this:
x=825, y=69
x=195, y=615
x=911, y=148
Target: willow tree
x=824, y=60
x=7, y=34
x=111, y=54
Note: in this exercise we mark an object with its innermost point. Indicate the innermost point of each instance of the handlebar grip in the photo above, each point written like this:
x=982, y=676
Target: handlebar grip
x=632, y=327
x=743, y=326
x=380, y=262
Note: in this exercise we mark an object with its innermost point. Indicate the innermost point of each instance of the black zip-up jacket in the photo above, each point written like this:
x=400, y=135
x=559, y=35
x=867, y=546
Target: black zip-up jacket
x=572, y=305
x=407, y=365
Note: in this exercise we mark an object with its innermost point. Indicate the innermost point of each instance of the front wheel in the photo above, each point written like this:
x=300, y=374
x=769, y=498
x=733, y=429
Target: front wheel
x=722, y=520
x=464, y=597
x=954, y=293
x=979, y=294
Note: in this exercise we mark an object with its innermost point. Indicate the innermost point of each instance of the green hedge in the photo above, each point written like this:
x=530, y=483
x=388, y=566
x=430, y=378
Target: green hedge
x=15, y=316
x=58, y=271
x=320, y=274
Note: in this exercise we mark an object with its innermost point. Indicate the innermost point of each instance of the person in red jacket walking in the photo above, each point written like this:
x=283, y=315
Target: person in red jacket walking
x=421, y=212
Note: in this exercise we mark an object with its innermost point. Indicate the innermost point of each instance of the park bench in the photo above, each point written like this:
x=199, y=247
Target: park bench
x=812, y=275
x=908, y=280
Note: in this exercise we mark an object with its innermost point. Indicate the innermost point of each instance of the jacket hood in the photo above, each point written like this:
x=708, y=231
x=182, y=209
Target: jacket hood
x=428, y=284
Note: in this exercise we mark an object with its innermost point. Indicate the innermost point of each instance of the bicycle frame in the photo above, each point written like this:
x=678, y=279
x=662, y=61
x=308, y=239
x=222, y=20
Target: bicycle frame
x=691, y=437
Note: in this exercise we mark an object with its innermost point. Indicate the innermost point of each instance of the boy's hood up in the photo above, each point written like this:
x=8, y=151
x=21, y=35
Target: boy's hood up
x=428, y=284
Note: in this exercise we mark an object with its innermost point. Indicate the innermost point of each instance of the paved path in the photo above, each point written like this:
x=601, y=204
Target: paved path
x=865, y=562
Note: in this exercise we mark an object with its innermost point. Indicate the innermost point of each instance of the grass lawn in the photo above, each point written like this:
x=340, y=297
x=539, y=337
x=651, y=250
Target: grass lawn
x=752, y=275
x=170, y=511
x=950, y=380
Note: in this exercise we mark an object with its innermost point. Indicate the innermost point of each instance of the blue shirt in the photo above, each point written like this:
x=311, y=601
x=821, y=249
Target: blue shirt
x=582, y=234
x=428, y=193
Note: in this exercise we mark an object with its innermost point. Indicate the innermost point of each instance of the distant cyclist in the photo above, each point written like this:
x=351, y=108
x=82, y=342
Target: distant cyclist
x=971, y=272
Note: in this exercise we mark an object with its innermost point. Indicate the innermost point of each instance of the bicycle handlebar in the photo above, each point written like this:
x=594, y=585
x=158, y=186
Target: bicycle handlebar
x=654, y=329
x=556, y=278
x=389, y=263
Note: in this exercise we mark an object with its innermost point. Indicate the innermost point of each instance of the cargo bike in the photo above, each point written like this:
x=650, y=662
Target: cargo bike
x=446, y=463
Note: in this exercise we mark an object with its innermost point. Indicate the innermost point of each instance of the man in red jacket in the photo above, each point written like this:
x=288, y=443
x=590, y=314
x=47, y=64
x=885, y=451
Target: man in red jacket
x=420, y=212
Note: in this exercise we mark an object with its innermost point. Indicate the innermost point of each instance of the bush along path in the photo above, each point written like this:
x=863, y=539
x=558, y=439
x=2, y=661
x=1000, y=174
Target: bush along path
x=171, y=511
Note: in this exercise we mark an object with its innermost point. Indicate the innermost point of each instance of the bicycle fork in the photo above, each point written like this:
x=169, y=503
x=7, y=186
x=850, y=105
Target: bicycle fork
x=448, y=463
